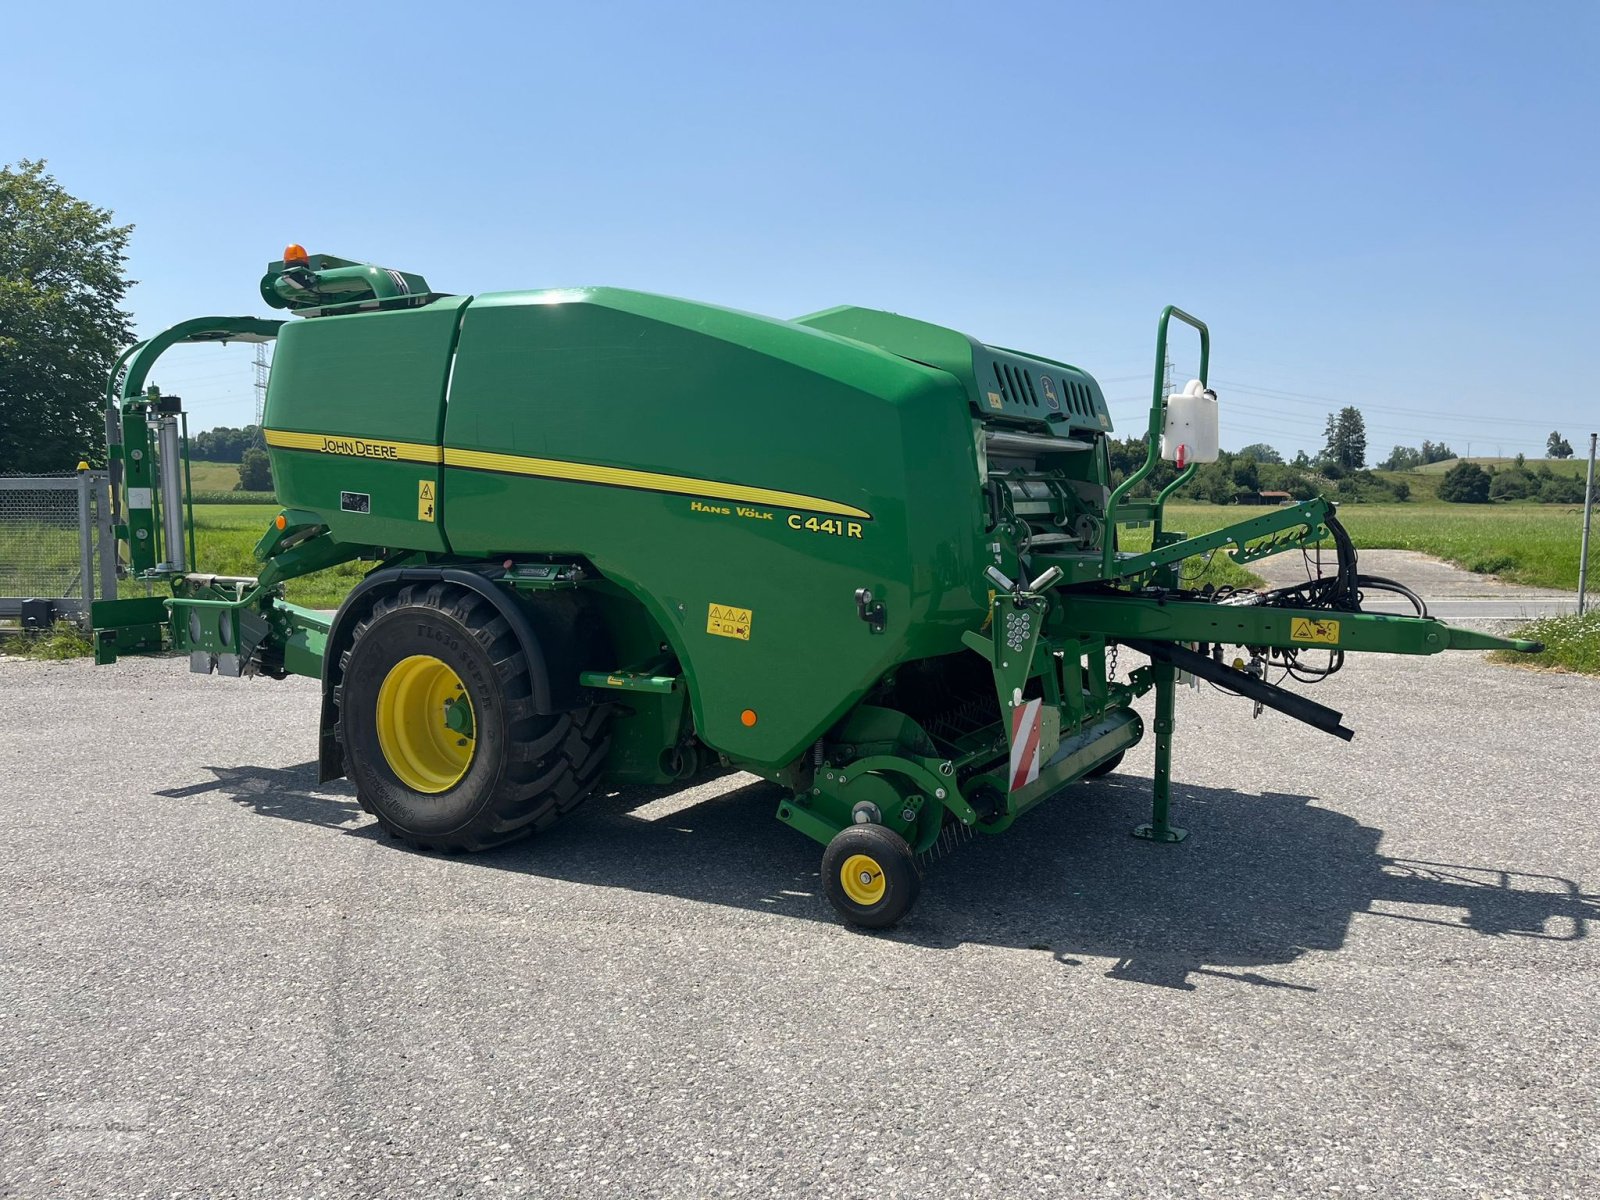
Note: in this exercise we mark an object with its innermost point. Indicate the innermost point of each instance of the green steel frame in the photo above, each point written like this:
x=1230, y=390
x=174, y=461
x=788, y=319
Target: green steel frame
x=1158, y=402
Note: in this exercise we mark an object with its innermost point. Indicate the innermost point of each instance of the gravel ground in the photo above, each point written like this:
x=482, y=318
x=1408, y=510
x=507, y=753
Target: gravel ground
x=1370, y=970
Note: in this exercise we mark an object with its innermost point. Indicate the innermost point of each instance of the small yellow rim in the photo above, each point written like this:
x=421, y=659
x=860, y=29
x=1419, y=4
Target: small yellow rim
x=862, y=879
x=415, y=703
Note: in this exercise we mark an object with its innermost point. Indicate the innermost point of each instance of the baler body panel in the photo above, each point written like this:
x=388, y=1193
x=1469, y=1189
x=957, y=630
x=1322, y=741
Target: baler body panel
x=354, y=417
x=1003, y=386
x=741, y=477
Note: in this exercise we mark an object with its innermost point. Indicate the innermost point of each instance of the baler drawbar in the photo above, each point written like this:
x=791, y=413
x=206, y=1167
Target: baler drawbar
x=619, y=538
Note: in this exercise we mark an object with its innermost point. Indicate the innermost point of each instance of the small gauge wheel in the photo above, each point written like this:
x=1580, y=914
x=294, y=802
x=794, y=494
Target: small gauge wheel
x=870, y=876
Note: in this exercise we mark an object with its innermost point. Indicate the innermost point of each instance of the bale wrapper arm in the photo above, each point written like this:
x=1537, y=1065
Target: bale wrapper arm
x=620, y=538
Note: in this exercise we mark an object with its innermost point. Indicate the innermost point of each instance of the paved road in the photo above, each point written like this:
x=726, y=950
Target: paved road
x=1452, y=594
x=1475, y=608
x=1370, y=970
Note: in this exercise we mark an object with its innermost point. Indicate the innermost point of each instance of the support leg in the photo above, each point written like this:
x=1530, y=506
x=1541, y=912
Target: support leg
x=1159, y=830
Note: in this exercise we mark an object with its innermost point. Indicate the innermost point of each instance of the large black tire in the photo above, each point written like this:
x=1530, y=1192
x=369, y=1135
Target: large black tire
x=523, y=771
x=1105, y=768
x=870, y=876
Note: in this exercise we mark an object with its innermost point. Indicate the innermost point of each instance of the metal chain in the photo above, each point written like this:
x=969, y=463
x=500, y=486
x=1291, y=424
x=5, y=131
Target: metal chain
x=1111, y=667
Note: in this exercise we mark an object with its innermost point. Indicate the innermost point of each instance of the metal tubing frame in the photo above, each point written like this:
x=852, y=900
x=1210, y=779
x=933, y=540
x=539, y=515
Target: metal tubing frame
x=105, y=490
x=170, y=443
x=126, y=408
x=1157, y=419
x=188, y=489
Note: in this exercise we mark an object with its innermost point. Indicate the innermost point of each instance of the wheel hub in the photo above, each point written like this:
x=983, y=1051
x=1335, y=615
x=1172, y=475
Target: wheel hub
x=425, y=724
x=861, y=877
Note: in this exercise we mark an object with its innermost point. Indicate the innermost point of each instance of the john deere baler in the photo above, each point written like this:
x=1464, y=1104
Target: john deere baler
x=628, y=538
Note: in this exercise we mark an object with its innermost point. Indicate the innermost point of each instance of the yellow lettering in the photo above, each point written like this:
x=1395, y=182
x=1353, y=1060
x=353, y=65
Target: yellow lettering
x=356, y=448
x=829, y=525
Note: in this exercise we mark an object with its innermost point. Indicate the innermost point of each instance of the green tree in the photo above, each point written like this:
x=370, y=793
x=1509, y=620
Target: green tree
x=1246, y=473
x=1276, y=478
x=1128, y=455
x=1557, y=446
x=255, y=471
x=1402, y=458
x=1262, y=453
x=1511, y=485
x=1561, y=489
x=1346, y=436
x=1211, y=482
x=61, y=324
x=1433, y=452
x=223, y=444
x=1465, y=483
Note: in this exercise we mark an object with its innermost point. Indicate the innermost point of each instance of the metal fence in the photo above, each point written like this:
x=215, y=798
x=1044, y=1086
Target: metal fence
x=56, y=544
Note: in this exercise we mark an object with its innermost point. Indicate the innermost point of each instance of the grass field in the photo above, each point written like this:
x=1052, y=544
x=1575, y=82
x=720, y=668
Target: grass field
x=214, y=477
x=1558, y=466
x=1424, y=486
x=1535, y=544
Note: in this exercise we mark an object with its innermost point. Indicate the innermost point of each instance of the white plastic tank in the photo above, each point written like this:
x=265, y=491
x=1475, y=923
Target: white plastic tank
x=1189, y=434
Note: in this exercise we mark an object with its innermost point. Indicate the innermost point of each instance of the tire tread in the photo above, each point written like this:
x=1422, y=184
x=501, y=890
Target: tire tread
x=551, y=762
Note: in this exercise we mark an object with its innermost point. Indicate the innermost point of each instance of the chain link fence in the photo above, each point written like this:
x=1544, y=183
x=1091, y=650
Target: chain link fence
x=55, y=543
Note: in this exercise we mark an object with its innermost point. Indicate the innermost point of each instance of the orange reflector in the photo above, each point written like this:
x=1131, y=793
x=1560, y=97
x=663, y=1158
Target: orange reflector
x=282, y=522
x=295, y=253
x=748, y=716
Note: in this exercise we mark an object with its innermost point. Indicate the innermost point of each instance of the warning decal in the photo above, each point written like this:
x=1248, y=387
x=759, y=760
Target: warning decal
x=1025, y=721
x=425, y=499
x=725, y=620
x=1304, y=629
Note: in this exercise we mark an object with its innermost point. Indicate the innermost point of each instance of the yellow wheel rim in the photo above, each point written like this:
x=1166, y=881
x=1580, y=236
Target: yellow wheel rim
x=425, y=724
x=862, y=879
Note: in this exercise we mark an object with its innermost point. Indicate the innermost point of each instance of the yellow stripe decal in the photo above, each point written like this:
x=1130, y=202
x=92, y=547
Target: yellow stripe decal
x=355, y=447
x=555, y=468
x=649, y=481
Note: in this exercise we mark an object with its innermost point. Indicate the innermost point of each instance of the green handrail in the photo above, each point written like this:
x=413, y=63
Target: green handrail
x=1157, y=418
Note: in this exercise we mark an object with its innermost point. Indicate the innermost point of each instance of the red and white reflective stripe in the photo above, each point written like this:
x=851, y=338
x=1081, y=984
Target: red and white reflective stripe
x=1025, y=722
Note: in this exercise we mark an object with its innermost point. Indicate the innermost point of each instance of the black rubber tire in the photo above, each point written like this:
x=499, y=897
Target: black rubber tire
x=1105, y=768
x=901, y=879
x=527, y=769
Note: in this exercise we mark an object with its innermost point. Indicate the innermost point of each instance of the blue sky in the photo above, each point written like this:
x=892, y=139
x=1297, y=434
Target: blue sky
x=1386, y=205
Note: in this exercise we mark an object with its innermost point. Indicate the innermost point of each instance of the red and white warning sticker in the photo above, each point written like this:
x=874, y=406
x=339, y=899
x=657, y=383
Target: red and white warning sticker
x=1025, y=722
